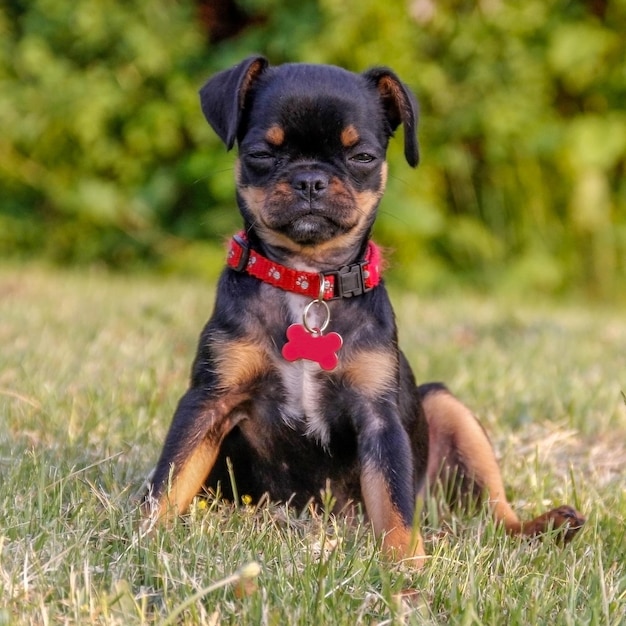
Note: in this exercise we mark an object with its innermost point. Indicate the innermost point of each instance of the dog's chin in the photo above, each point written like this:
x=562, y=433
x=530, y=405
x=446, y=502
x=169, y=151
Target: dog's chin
x=311, y=230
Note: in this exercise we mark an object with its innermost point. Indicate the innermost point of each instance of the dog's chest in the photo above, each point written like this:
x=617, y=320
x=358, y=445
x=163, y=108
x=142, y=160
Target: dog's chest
x=304, y=383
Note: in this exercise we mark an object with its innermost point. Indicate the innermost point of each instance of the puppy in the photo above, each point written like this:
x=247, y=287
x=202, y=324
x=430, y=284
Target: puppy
x=298, y=381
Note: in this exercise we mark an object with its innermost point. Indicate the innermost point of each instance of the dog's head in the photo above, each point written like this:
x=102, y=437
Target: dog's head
x=312, y=142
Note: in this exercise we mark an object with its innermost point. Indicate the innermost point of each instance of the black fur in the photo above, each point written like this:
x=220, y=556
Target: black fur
x=272, y=452
x=312, y=142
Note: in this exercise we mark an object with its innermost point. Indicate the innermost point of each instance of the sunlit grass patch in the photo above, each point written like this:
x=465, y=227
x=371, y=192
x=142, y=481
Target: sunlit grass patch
x=91, y=367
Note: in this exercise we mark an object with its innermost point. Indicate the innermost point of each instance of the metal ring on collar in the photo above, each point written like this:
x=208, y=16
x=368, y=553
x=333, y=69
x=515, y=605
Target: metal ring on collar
x=316, y=330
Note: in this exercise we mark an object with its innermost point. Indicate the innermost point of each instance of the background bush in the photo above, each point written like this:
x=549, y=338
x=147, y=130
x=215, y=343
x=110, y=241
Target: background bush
x=105, y=156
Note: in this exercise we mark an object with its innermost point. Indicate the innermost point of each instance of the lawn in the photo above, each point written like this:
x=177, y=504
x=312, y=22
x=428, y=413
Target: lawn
x=91, y=366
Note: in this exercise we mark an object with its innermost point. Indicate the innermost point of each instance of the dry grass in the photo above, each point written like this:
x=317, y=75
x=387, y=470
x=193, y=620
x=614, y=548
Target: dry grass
x=91, y=367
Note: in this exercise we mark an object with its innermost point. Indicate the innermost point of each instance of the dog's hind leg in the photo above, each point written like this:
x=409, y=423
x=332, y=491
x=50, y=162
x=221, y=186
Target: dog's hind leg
x=462, y=464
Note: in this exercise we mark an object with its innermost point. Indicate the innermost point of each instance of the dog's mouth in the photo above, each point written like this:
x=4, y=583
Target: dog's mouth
x=312, y=221
x=311, y=228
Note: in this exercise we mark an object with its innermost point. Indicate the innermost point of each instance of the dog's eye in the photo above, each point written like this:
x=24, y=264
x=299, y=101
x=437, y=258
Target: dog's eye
x=362, y=157
x=261, y=155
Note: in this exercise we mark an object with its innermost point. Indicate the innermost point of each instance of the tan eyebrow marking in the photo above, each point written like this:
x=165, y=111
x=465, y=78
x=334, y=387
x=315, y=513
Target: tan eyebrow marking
x=349, y=136
x=275, y=135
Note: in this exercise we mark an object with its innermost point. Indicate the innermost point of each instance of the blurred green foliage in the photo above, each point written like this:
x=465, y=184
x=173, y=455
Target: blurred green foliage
x=105, y=156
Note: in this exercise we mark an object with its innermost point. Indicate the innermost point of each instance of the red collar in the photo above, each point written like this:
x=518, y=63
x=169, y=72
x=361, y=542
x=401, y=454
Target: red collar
x=347, y=281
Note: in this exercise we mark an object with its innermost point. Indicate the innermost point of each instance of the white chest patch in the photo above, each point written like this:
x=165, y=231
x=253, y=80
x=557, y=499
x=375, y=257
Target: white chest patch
x=301, y=380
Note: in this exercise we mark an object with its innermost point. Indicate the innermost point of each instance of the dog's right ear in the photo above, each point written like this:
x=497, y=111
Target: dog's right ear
x=223, y=97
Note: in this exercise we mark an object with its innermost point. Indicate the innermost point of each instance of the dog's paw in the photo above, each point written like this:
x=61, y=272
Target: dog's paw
x=565, y=521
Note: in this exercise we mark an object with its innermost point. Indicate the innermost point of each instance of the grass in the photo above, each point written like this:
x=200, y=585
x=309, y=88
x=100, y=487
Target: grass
x=91, y=367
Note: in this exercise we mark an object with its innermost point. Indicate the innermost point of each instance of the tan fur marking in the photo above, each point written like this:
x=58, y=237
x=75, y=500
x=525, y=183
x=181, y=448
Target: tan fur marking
x=367, y=200
x=275, y=135
x=372, y=372
x=186, y=484
x=239, y=362
x=384, y=171
x=338, y=189
x=388, y=87
x=399, y=541
x=315, y=255
x=454, y=431
x=392, y=92
x=451, y=424
x=565, y=518
x=253, y=71
x=281, y=192
x=189, y=475
x=349, y=136
x=255, y=199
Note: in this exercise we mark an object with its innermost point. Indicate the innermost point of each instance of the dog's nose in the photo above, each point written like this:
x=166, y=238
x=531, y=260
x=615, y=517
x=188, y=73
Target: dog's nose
x=310, y=184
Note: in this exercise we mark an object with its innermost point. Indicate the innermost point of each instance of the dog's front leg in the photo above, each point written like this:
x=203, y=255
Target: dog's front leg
x=200, y=423
x=387, y=485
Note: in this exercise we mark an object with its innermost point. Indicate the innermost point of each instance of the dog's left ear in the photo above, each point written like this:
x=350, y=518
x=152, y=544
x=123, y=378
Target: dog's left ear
x=223, y=97
x=400, y=107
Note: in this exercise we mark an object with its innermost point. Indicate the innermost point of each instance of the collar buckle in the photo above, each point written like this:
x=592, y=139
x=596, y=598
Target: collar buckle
x=350, y=280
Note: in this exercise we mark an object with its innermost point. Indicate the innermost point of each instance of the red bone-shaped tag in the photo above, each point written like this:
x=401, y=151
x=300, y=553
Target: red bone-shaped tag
x=322, y=349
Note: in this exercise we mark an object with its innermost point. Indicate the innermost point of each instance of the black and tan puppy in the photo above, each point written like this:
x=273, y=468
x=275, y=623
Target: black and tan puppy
x=298, y=379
